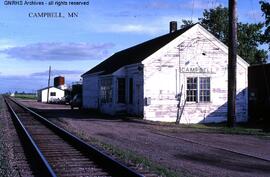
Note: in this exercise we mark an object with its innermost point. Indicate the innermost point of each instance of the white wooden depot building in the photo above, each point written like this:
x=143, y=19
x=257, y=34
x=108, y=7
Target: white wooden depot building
x=181, y=74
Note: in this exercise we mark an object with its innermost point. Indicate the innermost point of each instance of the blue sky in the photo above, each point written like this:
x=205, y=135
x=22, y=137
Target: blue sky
x=28, y=46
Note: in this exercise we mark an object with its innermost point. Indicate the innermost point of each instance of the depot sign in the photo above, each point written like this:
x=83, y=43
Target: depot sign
x=196, y=70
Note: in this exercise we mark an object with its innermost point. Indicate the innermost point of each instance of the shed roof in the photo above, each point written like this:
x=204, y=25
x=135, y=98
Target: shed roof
x=135, y=54
x=45, y=88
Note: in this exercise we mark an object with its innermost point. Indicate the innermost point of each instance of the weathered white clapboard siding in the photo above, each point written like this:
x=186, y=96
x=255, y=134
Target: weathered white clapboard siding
x=136, y=108
x=195, y=48
x=42, y=94
x=135, y=71
x=159, y=77
x=90, y=89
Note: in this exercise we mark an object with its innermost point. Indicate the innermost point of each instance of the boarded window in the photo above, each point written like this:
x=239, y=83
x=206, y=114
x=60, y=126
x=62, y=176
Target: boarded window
x=53, y=94
x=121, y=90
x=131, y=91
x=106, y=90
x=198, y=89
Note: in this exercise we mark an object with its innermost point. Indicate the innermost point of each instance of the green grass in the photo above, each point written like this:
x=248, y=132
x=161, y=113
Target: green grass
x=242, y=129
x=130, y=157
x=26, y=96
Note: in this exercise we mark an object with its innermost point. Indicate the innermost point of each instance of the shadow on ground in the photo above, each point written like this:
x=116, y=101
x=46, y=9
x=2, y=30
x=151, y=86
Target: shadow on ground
x=85, y=115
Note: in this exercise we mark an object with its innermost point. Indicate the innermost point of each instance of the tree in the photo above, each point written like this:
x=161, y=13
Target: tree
x=216, y=21
x=186, y=23
x=249, y=37
x=265, y=7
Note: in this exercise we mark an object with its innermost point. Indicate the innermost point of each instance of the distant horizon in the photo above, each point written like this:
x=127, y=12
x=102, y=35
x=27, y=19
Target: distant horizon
x=72, y=46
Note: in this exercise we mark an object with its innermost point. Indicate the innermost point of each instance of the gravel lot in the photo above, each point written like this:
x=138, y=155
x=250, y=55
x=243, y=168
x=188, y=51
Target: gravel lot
x=185, y=150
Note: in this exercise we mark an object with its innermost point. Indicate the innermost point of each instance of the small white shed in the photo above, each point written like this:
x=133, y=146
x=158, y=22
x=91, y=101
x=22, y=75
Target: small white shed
x=54, y=94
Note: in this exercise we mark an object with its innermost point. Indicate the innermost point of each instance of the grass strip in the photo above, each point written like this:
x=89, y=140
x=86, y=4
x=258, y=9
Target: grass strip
x=240, y=129
x=127, y=156
x=139, y=161
x=221, y=128
x=26, y=96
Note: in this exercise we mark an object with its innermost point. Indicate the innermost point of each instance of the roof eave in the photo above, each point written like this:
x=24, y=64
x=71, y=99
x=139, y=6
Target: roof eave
x=92, y=74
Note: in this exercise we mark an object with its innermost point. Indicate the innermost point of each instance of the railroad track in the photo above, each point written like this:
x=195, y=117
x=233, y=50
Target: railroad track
x=56, y=152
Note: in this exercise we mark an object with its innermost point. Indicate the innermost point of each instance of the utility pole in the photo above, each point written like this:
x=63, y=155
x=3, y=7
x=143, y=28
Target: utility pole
x=49, y=84
x=232, y=63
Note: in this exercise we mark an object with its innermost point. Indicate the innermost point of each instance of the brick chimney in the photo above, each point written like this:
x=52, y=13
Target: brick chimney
x=173, y=26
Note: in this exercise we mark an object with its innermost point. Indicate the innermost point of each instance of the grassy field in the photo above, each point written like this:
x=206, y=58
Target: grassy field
x=26, y=96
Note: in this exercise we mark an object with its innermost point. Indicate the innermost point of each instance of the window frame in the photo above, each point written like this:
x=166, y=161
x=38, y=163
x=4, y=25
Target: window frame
x=199, y=89
x=106, y=90
x=192, y=89
x=121, y=90
x=206, y=96
x=52, y=93
x=131, y=90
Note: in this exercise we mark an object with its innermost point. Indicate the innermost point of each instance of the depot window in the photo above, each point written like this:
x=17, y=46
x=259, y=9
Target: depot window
x=53, y=93
x=106, y=90
x=198, y=89
x=131, y=91
x=121, y=90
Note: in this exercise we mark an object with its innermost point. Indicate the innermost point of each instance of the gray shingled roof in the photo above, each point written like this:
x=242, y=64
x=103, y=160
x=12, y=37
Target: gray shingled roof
x=135, y=54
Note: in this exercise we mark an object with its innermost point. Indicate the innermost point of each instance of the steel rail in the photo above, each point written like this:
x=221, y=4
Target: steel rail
x=42, y=163
x=105, y=161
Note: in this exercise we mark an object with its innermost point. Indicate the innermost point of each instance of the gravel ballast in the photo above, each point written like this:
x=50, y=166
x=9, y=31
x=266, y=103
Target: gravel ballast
x=13, y=160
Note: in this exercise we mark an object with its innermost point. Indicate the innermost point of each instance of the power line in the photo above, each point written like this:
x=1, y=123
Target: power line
x=192, y=11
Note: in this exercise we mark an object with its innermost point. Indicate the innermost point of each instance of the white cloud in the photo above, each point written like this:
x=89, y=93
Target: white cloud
x=254, y=15
x=195, y=4
x=20, y=83
x=159, y=5
x=199, y=4
x=57, y=73
x=58, y=51
x=157, y=26
x=31, y=83
x=132, y=28
x=6, y=43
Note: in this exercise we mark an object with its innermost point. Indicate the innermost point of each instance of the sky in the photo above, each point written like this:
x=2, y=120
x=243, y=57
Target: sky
x=72, y=46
